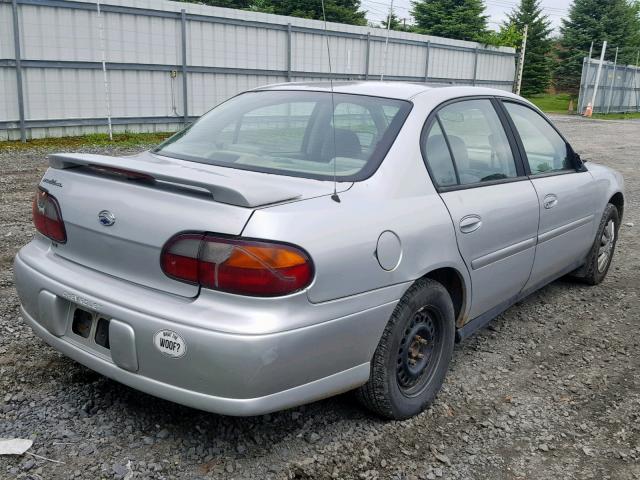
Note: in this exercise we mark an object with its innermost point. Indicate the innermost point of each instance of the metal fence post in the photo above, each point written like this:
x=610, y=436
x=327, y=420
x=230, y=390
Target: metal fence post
x=613, y=81
x=635, y=85
x=16, y=43
x=598, y=72
x=426, y=63
x=105, y=77
x=586, y=83
x=366, y=60
x=605, y=84
x=288, y=52
x=623, y=95
x=475, y=66
x=183, y=22
x=583, y=83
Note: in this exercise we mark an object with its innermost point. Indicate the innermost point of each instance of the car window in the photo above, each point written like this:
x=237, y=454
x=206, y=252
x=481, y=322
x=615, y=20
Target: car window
x=276, y=128
x=439, y=158
x=292, y=133
x=545, y=149
x=478, y=143
x=358, y=120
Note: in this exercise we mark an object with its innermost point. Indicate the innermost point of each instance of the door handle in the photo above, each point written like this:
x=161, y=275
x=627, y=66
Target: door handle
x=550, y=201
x=470, y=223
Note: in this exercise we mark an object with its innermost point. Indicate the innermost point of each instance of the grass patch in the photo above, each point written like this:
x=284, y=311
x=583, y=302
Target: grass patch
x=91, y=140
x=558, y=103
x=616, y=116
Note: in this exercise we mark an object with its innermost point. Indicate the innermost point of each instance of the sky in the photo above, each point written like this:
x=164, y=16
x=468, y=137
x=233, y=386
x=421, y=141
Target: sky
x=496, y=9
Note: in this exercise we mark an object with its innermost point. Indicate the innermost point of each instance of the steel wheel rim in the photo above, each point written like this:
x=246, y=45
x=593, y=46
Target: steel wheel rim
x=607, y=241
x=418, y=353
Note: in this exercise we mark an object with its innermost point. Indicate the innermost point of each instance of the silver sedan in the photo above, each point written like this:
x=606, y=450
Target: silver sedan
x=299, y=241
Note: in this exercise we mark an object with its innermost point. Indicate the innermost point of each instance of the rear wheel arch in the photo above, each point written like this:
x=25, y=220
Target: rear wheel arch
x=618, y=200
x=453, y=281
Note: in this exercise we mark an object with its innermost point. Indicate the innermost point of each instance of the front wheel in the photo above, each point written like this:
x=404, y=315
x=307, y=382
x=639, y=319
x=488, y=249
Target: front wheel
x=412, y=358
x=604, y=245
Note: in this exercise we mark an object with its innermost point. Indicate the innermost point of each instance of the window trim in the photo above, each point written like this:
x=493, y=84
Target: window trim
x=523, y=154
x=446, y=141
x=506, y=126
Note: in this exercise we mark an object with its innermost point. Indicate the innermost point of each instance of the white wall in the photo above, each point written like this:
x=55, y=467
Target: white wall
x=50, y=32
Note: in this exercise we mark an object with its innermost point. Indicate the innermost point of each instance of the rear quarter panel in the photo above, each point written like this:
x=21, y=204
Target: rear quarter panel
x=341, y=238
x=608, y=183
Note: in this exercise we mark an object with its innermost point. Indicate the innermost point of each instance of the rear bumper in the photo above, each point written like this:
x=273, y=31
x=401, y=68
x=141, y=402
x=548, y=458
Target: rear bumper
x=222, y=371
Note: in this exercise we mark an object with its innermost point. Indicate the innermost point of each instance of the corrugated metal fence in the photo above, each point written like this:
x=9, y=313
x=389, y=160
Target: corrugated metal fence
x=618, y=88
x=169, y=62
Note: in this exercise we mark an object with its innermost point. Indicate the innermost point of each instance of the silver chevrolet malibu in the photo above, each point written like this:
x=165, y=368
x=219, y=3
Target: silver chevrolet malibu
x=299, y=241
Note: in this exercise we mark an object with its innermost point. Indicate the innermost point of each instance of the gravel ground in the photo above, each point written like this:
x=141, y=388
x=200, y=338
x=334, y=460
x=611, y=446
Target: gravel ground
x=550, y=390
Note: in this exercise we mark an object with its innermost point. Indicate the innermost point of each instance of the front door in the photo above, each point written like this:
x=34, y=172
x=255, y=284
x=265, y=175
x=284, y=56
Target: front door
x=566, y=196
x=492, y=203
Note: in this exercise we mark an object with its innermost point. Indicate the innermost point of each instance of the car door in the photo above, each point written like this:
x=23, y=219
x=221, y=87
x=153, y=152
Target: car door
x=472, y=161
x=566, y=193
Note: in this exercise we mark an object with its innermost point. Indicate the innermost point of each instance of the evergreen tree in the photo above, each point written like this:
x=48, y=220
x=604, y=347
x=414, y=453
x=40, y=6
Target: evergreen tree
x=536, y=75
x=340, y=11
x=224, y=3
x=616, y=21
x=507, y=36
x=460, y=19
x=396, y=23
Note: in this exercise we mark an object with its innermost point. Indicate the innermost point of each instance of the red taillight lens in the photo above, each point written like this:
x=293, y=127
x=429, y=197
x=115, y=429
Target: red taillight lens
x=246, y=267
x=47, y=217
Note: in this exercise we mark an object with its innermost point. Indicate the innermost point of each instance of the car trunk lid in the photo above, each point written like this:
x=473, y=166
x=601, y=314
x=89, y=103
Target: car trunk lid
x=150, y=199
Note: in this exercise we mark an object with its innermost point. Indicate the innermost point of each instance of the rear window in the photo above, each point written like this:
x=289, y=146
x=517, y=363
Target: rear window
x=296, y=133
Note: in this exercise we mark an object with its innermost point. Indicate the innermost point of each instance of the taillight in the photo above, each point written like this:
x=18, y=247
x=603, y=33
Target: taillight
x=234, y=265
x=47, y=217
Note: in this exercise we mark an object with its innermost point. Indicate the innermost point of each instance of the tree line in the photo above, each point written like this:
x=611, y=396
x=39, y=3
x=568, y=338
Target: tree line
x=551, y=59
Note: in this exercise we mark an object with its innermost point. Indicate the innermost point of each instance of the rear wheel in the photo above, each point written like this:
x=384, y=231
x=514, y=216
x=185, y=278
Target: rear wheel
x=412, y=358
x=601, y=253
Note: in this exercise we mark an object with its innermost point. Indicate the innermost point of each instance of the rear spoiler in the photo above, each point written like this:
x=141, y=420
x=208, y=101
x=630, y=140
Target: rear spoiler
x=234, y=187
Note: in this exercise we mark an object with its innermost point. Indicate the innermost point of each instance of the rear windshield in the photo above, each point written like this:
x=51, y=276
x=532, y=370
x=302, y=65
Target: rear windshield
x=292, y=133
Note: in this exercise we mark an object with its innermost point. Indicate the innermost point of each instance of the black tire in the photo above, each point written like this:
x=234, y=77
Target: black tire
x=592, y=273
x=402, y=384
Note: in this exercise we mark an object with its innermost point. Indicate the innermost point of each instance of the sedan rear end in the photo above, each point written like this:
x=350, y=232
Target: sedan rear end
x=141, y=269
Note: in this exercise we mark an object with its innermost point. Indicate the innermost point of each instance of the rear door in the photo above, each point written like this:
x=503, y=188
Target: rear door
x=492, y=203
x=566, y=193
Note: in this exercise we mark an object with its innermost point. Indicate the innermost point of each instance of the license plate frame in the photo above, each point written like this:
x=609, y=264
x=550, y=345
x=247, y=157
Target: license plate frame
x=89, y=328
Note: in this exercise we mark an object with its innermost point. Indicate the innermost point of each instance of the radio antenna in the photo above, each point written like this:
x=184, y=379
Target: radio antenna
x=386, y=41
x=335, y=196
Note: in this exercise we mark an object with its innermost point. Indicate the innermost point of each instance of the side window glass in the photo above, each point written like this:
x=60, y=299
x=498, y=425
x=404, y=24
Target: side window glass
x=546, y=150
x=439, y=158
x=478, y=142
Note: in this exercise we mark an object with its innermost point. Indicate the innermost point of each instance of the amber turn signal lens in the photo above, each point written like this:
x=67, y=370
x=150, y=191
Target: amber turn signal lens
x=234, y=265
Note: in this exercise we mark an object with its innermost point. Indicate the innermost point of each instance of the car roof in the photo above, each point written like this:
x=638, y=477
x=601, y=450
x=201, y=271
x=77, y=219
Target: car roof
x=397, y=90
